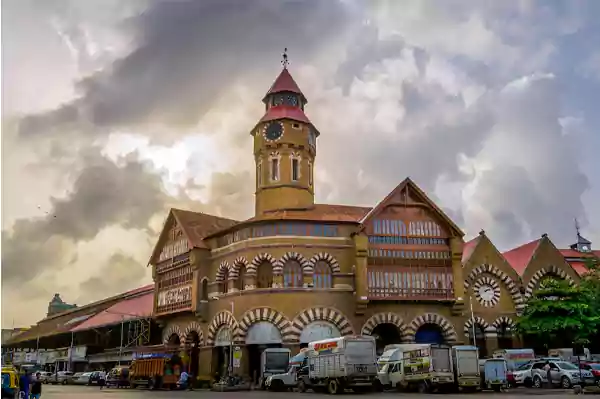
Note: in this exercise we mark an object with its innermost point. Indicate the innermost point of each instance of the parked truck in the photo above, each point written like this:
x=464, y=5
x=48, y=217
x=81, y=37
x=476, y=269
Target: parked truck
x=465, y=360
x=341, y=363
x=273, y=361
x=428, y=368
x=297, y=370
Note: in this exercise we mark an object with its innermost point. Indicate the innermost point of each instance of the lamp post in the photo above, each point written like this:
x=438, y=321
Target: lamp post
x=121, y=343
x=231, y=344
x=472, y=321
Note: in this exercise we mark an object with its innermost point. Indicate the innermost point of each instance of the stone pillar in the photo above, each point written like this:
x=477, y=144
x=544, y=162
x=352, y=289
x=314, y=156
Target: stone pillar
x=491, y=342
x=456, y=247
x=361, y=289
x=307, y=279
x=249, y=282
x=206, y=362
x=277, y=280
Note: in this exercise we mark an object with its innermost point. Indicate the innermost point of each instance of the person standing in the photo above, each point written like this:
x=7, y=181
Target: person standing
x=24, y=384
x=101, y=379
x=548, y=371
x=36, y=386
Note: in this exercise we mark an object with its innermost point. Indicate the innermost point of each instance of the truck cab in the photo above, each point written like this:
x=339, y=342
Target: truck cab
x=273, y=361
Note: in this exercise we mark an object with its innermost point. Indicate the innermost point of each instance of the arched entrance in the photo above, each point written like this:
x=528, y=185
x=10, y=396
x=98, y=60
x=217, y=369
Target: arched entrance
x=505, y=337
x=260, y=336
x=429, y=333
x=479, y=340
x=174, y=340
x=386, y=334
x=318, y=330
x=221, y=349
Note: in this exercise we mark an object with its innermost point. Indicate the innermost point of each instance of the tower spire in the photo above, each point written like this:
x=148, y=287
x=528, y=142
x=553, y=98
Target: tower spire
x=577, y=227
x=284, y=59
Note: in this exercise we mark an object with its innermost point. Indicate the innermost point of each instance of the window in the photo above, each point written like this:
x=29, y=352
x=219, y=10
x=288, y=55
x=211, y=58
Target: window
x=292, y=274
x=295, y=169
x=259, y=174
x=241, y=278
x=296, y=125
x=310, y=174
x=264, y=275
x=322, y=275
x=274, y=169
x=204, y=294
x=225, y=282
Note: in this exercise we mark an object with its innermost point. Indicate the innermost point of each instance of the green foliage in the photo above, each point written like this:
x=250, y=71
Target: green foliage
x=558, y=312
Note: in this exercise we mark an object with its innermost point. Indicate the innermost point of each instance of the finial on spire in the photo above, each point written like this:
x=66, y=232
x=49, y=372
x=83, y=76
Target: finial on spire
x=577, y=227
x=284, y=60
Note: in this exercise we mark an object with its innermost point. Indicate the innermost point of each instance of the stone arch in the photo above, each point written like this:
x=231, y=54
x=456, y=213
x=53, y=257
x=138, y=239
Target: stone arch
x=509, y=283
x=325, y=257
x=170, y=330
x=258, y=259
x=543, y=272
x=223, y=267
x=479, y=321
x=310, y=315
x=265, y=314
x=503, y=320
x=223, y=318
x=235, y=267
x=385, y=318
x=304, y=264
x=194, y=326
x=447, y=328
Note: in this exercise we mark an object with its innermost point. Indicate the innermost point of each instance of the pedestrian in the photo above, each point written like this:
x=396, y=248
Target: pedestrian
x=183, y=380
x=548, y=371
x=36, y=386
x=101, y=379
x=24, y=384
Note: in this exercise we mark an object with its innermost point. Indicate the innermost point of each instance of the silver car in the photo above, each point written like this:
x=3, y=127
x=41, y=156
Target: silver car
x=564, y=374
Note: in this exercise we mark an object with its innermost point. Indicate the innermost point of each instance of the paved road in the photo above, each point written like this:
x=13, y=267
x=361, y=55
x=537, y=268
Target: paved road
x=72, y=392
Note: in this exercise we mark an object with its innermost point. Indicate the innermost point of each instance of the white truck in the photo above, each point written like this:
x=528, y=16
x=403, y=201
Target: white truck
x=273, y=361
x=297, y=370
x=465, y=360
x=342, y=363
x=425, y=367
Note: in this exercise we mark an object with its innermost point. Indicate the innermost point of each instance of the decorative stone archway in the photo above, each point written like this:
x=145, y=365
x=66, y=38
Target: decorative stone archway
x=551, y=270
x=221, y=271
x=172, y=329
x=386, y=318
x=258, y=259
x=307, y=268
x=325, y=257
x=479, y=321
x=446, y=327
x=269, y=315
x=311, y=315
x=194, y=326
x=223, y=318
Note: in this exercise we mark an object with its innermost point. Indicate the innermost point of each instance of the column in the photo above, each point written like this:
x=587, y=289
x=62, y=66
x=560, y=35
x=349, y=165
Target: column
x=491, y=342
x=456, y=245
x=361, y=244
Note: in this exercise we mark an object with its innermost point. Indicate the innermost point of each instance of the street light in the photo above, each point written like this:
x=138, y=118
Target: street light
x=472, y=320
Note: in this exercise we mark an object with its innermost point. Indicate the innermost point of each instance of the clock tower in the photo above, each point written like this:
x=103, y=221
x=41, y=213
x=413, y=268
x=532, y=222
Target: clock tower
x=284, y=149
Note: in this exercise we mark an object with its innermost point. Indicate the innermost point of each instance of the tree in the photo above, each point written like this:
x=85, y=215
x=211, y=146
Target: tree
x=558, y=313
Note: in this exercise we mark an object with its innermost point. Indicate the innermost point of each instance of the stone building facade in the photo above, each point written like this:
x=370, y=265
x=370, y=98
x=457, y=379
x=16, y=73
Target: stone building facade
x=299, y=271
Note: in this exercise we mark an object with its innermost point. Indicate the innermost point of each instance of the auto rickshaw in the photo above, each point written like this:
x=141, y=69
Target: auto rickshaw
x=10, y=383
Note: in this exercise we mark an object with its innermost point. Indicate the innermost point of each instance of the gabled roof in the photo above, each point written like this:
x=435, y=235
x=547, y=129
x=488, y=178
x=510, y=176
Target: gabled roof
x=195, y=227
x=577, y=259
x=284, y=83
x=520, y=257
x=469, y=248
x=408, y=183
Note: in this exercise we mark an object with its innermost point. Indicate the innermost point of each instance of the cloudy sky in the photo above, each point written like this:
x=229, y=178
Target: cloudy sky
x=114, y=111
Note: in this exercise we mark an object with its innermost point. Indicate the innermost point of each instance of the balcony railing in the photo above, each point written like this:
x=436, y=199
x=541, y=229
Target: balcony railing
x=410, y=283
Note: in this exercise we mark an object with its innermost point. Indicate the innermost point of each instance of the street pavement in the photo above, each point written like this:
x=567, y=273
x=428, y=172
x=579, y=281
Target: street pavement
x=72, y=392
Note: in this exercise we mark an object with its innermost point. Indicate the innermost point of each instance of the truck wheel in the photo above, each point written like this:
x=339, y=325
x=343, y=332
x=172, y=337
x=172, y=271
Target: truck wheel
x=333, y=387
x=301, y=386
x=422, y=387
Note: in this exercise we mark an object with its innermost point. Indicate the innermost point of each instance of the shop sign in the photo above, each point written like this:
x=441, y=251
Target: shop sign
x=175, y=295
x=19, y=357
x=62, y=354
x=31, y=357
x=77, y=353
x=51, y=357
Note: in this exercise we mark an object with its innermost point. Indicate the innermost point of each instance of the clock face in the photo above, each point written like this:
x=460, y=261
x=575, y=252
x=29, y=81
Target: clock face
x=273, y=131
x=487, y=291
x=585, y=247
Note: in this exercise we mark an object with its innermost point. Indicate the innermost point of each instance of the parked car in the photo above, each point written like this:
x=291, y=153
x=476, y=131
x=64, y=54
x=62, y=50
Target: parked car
x=82, y=378
x=45, y=376
x=522, y=375
x=594, y=368
x=61, y=377
x=96, y=377
x=562, y=373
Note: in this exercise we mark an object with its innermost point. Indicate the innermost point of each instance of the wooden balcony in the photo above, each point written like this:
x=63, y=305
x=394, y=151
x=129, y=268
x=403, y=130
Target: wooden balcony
x=410, y=283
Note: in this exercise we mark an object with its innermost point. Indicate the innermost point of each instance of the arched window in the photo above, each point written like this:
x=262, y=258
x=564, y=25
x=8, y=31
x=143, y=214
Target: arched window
x=322, y=275
x=264, y=275
x=225, y=282
x=241, y=277
x=204, y=294
x=292, y=274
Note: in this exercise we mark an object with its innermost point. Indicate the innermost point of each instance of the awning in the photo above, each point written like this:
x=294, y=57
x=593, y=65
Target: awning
x=139, y=307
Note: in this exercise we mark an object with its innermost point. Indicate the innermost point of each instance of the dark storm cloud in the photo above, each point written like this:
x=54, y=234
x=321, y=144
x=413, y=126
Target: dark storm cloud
x=188, y=52
x=103, y=194
x=120, y=273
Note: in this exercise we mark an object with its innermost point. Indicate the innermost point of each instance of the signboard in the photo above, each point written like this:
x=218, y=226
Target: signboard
x=237, y=357
x=18, y=357
x=31, y=357
x=175, y=295
x=77, y=353
x=326, y=346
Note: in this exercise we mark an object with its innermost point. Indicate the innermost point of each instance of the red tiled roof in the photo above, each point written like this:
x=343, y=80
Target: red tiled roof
x=579, y=267
x=577, y=259
x=198, y=225
x=468, y=248
x=285, y=82
x=127, y=309
x=285, y=112
x=519, y=257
